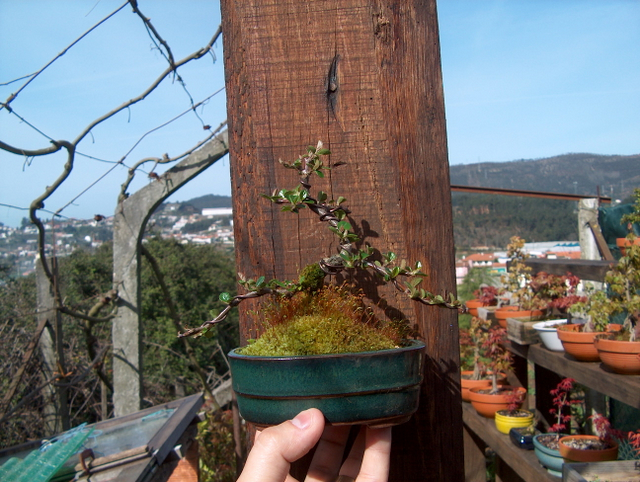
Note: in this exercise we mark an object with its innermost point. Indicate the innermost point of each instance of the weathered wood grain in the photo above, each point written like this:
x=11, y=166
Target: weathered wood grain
x=364, y=77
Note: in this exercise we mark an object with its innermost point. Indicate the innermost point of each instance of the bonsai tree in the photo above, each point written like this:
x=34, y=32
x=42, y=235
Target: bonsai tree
x=487, y=295
x=299, y=309
x=472, y=347
x=622, y=296
x=562, y=406
x=499, y=358
x=517, y=281
x=558, y=293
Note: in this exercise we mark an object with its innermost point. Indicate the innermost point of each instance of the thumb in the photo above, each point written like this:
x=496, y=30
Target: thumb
x=276, y=447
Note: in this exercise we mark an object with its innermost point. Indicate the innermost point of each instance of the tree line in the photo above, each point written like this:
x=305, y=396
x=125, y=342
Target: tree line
x=193, y=276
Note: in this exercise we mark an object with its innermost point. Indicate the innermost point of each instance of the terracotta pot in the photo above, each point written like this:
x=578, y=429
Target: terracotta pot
x=505, y=422
x=473, y=305
x=620, y=356
x=624, y=243
x=375, y=388
x=466, y=384
x=487, y=405
x=570, y=454
x=577, y=343
x=512, y=311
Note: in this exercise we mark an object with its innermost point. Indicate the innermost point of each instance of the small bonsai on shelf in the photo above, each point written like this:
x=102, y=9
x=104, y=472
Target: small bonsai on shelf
x=517, y=281
x=308, y=316
x=499, y=357
x=472, y=341
x=558, y=293
x=622, y=297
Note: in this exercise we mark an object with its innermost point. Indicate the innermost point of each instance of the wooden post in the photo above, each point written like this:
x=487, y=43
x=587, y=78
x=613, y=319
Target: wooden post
x=364, y=77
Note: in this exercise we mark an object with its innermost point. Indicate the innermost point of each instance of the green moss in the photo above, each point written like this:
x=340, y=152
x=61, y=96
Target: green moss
x=311, y=277
x=316, y=335
x=330, y=321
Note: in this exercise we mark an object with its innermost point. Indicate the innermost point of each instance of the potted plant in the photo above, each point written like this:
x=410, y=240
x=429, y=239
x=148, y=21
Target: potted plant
x=620, y=351
x=483, y=296
x=474, y=371
x=591, y=448
x=578, y=339
x=487, y=401
x=513, y=415
x=323, y=346
x=523, y=301
x=560, y=293
x=546, y=445
x=632, y=220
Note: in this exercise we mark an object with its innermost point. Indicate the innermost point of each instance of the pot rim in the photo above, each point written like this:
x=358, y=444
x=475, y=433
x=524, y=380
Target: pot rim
x=413, y=345
x=550, y=325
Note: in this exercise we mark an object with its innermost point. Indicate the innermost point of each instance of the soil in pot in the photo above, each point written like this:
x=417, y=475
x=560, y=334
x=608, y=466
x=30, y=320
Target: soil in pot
x=586, y=448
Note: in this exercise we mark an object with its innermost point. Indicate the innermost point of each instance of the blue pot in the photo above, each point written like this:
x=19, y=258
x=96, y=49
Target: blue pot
x=550, y=458
x=379, y=388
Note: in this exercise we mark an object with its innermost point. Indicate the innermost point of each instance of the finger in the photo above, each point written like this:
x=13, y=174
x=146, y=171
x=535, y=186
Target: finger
x=377, y=452
x=351, y=466
x=326, y=460
x=276, y=447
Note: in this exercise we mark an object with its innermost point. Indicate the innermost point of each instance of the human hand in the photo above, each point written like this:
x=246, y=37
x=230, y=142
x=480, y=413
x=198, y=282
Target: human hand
x=275, y=448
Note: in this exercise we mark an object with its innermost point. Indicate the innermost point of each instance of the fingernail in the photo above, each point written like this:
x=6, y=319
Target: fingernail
x=302, y=420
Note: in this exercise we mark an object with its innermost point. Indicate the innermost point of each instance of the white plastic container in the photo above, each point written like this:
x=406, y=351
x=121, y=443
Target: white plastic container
x=549, y=335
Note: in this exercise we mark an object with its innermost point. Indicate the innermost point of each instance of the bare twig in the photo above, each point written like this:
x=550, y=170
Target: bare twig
x=13, y=96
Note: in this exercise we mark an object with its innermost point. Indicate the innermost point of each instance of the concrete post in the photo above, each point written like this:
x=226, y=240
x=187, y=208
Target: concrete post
x=130, y=219
x=587, y=214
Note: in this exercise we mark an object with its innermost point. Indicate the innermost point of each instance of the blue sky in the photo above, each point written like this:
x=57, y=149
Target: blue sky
x=523, y=80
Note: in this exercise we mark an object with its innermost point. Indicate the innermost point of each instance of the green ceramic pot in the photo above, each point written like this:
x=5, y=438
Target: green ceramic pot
x=379, y=388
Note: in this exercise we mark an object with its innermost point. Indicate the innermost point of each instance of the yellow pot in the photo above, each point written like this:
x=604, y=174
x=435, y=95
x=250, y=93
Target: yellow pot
x=504, y=422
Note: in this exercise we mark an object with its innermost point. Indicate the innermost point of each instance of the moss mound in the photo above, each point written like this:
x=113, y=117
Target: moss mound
x=330, y=321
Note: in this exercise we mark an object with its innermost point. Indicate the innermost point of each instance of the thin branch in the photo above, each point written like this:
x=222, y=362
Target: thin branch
x=33, y=76
x=196, y=55
x=164, y=160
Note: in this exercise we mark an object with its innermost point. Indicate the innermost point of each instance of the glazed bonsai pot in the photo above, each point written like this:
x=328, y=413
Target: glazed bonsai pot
x=573, y=454
x=548, y=457
x=379, y=388
x=487, y=404
x=505, y=421
x=548, y=333
x=522, y=437
x=512, y=311
x=621, y=357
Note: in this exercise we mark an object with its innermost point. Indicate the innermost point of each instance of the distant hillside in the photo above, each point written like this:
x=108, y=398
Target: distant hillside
x=616, y=176
x=490, y=220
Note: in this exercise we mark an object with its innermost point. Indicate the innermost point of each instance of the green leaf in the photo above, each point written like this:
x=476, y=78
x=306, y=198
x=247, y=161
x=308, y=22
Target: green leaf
x=225, y=298
x=323, y=152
